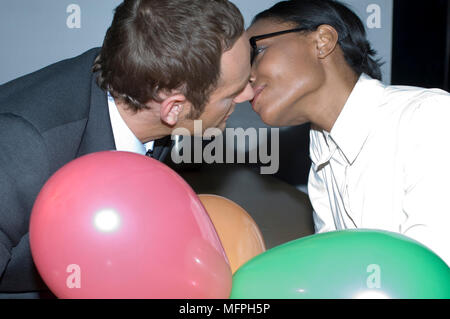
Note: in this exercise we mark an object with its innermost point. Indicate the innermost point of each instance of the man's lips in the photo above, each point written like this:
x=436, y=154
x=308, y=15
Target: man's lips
x=258, y=91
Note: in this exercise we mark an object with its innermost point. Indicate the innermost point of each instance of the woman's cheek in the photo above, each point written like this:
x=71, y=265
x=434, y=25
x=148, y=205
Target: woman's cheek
x=272, y=106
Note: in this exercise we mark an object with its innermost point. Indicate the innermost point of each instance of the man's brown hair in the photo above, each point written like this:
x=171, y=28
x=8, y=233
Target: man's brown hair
x=154, y=46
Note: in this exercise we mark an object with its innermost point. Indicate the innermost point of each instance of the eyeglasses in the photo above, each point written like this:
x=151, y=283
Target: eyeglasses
x=253, y=40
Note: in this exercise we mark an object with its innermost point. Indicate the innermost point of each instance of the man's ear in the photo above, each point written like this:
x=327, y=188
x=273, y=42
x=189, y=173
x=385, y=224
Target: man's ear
x=327, y=39
x=172, y=107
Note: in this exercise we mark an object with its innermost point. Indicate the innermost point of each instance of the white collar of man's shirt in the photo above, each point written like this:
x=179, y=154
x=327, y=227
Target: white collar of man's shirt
x=356, y=119
x=124, y=138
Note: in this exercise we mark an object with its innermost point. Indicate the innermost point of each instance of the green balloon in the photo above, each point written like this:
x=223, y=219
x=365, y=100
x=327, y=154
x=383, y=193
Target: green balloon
x=347, y=264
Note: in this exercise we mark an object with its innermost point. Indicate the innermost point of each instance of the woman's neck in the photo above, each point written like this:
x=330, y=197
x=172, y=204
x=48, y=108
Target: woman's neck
x=332, y=98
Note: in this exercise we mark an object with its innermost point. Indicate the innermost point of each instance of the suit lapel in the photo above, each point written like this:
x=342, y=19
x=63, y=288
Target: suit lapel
x=162, y=148
x=98, y=135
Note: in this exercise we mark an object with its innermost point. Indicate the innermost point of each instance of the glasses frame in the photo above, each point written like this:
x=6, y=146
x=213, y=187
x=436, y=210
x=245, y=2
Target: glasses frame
x=253, y=40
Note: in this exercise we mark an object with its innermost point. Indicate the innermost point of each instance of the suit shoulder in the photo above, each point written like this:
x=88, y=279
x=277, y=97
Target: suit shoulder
x=55, y=94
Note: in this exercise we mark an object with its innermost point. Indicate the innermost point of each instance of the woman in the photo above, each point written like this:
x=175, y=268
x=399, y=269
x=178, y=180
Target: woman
x=379, y=152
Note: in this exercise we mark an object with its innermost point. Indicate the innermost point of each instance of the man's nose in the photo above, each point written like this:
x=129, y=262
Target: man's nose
x=246, y=95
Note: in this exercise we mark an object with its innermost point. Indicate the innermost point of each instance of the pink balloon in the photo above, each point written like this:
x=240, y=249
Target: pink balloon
x=122, y=225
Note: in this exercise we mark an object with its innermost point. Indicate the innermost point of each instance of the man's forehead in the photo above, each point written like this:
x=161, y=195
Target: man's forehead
x=237, y=82
x=236, y=68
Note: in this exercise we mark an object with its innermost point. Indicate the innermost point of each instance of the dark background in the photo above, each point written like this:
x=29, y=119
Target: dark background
x=421, y=43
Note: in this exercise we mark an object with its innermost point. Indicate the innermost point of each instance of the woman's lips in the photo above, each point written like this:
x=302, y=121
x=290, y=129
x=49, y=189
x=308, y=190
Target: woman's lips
x=258, y=92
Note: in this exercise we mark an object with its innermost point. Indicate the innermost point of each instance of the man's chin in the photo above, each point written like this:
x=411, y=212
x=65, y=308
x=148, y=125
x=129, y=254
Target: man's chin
x=201, y=129
x=221, y=127
x=215, y=130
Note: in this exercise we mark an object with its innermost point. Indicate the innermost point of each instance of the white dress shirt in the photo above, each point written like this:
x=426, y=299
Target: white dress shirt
x=124, y=138
x=386, y=165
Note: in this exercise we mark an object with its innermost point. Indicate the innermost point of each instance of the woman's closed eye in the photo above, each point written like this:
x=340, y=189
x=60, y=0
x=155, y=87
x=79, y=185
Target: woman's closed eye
x=257, y=52
x=260, y=50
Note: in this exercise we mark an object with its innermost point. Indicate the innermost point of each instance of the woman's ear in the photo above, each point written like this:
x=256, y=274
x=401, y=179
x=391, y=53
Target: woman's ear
x=327, y=39
x=172, y=107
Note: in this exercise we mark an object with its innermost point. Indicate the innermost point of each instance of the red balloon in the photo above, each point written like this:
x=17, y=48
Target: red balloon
x=122, y=225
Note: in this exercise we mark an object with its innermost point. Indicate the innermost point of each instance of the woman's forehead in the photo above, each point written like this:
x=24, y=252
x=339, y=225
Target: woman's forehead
x=266, y=26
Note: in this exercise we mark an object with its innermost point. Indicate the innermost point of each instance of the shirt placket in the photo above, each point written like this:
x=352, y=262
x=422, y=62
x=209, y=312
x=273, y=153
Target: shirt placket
x=332, y=160
x=343, y=185
x=346, y=195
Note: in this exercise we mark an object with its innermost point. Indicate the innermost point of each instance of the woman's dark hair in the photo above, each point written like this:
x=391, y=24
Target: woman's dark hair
x=154, y=46
x=311, y=14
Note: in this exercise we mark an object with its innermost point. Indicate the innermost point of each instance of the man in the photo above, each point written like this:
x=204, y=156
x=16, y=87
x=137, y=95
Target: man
x=163, y=64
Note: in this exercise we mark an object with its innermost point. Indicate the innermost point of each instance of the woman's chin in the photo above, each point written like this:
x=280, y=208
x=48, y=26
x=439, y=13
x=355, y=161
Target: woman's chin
x=268, y=119
x=275, y=120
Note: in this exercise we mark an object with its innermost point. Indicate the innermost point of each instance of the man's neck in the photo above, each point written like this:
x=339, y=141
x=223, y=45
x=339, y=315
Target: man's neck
x=145, y=124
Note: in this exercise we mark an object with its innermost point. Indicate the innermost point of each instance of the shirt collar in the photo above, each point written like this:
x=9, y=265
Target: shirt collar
x=124, y=138
x=355, y=121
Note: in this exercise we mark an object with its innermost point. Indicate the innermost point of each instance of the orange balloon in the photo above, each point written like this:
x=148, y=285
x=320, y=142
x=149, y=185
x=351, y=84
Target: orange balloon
x=240, y=236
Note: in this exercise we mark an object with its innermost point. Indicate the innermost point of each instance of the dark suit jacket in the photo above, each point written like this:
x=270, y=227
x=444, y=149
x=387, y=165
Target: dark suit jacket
x=47, y=119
